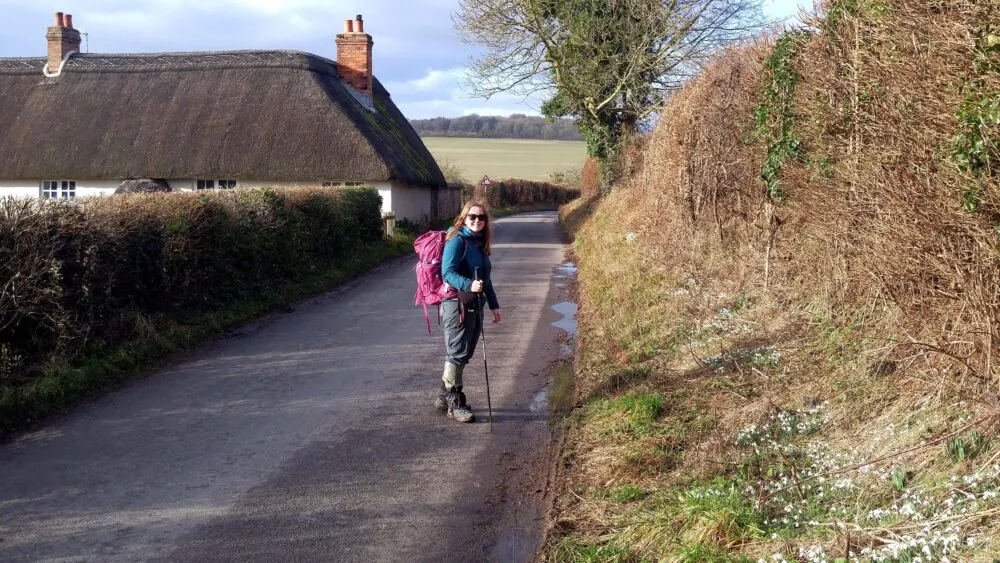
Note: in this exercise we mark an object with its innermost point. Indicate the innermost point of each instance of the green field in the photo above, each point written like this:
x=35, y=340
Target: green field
x=507, y=158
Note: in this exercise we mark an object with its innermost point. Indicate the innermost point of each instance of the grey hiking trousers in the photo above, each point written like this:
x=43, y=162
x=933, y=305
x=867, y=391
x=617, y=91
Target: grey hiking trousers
x=460, y=338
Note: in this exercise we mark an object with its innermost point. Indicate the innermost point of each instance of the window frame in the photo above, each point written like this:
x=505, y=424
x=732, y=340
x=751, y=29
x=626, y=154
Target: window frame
x=226, y=184
x=57, y=189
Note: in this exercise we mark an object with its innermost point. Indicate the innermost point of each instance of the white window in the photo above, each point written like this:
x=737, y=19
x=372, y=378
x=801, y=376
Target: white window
x=58, y=189
x=215, y=184
x=342, y=184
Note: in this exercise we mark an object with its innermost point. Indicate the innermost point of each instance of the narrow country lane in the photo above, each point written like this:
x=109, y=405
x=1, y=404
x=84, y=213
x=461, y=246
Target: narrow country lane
x=310, y=436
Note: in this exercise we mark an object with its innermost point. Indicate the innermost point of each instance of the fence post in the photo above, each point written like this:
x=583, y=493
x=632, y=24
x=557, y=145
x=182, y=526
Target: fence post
x=388, y=223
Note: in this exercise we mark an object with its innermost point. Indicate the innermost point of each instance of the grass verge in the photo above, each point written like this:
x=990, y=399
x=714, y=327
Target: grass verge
x=64, y=386
x=716, y=420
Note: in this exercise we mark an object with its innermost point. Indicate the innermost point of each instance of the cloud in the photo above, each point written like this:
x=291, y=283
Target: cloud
x=435, y=79
x=442, y=93
x=417, y=54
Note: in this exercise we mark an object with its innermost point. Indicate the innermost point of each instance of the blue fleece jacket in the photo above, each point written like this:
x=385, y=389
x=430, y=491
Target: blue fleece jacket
x=462, y=255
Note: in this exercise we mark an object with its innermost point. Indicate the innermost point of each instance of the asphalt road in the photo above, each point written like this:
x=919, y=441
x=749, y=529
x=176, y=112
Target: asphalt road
x=309, y=436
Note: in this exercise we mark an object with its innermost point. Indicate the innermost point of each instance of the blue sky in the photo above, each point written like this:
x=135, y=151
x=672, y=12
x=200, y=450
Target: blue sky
x=417, y=55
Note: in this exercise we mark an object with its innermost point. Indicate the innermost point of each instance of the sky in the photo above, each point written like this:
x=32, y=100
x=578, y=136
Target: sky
x=417, y=54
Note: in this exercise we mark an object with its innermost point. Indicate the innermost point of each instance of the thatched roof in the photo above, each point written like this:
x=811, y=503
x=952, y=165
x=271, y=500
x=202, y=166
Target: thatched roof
x=254, y=115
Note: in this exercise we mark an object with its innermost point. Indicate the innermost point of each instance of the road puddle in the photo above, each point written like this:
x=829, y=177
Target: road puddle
x=567, y=309
x=568, y=323
x=540, y=403
x=565, y=270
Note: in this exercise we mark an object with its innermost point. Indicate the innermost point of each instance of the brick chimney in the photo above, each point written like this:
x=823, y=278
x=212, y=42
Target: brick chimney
x=62, y=39
x=354, y=56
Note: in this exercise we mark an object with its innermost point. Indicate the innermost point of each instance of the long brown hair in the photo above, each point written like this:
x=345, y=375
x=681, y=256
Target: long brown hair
x=487, y=232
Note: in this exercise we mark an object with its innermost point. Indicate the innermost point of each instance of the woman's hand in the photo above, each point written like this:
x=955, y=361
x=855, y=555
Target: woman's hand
x=477, y=286
x=496, y=316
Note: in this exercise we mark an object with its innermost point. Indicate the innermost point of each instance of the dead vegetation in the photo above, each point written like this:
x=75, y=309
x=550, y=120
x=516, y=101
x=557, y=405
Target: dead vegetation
x=788, y=309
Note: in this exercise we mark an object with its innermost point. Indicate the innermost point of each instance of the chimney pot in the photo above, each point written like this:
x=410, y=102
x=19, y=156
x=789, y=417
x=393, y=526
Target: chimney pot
x=354, y=57
x=62, y=40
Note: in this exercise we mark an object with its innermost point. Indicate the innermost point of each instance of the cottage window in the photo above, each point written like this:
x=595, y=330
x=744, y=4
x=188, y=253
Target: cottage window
x=213, y=184
x=58, y=189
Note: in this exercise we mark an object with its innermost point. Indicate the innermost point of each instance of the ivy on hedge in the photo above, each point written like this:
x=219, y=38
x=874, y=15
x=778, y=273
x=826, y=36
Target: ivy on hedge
x=774, y=117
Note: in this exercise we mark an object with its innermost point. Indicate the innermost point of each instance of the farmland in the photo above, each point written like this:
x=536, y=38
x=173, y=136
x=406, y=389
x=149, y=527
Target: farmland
x=507, y=158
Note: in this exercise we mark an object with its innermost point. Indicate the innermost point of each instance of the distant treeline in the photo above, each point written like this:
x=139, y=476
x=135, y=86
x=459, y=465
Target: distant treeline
x=517, y=126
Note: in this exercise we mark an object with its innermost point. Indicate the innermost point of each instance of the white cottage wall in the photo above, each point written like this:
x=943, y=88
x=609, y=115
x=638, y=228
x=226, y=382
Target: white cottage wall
x=33, y=188
x=408, y=201
x=20, y=188
x=411, y=201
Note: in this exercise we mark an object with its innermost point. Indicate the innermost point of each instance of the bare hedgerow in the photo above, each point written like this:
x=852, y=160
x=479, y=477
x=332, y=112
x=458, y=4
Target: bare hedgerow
x=874, y=276
x=33, y=240
x=90, y=274
x=879, y=199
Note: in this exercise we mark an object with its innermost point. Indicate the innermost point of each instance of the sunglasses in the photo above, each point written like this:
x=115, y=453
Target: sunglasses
x=473, y=217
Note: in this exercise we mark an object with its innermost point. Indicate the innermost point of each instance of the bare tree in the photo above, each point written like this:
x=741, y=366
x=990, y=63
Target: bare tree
x=608, y=63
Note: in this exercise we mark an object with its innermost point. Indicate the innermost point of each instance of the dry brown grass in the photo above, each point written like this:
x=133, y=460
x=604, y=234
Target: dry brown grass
x=875, y=285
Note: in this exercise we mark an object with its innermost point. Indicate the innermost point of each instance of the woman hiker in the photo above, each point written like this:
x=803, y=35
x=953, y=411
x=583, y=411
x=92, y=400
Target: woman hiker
x=465, y=266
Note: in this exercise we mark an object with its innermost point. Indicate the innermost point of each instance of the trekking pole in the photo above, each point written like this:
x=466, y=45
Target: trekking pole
x=486, y=367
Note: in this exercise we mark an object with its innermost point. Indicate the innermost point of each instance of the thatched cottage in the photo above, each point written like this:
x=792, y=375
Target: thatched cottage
x=76, y=124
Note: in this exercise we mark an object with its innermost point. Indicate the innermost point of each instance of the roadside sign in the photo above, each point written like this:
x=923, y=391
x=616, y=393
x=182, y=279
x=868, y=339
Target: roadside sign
x=485, y=182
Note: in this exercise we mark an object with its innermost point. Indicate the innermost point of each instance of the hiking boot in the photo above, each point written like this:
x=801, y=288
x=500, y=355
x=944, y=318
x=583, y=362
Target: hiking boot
x=441, y=403
x=457, y=407
x=461, y=398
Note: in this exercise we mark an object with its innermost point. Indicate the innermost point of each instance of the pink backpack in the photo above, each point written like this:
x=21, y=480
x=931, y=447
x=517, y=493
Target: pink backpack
x=431, y=289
